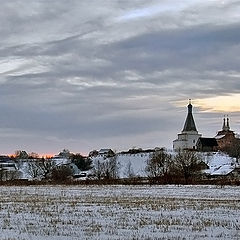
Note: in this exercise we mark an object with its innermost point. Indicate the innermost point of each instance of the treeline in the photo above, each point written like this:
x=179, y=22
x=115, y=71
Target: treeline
x=180, y=167
x=162, y=167
x=42, y=168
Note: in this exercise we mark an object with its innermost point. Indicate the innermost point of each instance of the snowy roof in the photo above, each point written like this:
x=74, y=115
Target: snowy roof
x=223, y=170
x=219, y=164
x=220, y=159
x=60, y=160
x=220, y=136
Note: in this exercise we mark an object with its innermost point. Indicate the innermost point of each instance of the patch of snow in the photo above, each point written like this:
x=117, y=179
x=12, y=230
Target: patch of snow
x=61, y=161
x=23, y=171
x=223, y=170
x=220, y=136
x=128, y=164
x=219, y=163
x=133, y=164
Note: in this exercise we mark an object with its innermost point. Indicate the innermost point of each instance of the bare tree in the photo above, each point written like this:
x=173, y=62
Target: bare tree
x=112, y=168
x=40, y=169
x=8, y=175
x=129, y=170
x=47, y=166
x=11, y=175
x=186, y=164
x=34, y=170
x=159, y=165
x=83, y=163
x=33, y=155
x=107, y=169
x=61, y=173
x=233, y=150
x=21, y=154
x=97, y=169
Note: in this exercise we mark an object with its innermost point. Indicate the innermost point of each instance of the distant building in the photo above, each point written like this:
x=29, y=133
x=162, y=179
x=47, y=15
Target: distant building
x=8, y=169
x=225, y=137
x=4, y=158
x=60, y=160
x=207, y=144
x=189, y=136
x=140, y=150
x=93, y=153
x=106, y=152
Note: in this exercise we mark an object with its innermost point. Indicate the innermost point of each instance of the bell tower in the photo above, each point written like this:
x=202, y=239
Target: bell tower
x=187, y=139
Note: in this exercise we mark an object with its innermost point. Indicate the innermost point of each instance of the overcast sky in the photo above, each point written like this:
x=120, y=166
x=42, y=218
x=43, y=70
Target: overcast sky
x=115, y=74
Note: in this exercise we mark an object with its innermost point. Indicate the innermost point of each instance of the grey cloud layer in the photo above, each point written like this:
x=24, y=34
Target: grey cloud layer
x=87, y=74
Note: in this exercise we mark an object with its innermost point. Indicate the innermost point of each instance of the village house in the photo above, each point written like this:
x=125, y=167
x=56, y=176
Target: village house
x=106, y=152
x=8, y=169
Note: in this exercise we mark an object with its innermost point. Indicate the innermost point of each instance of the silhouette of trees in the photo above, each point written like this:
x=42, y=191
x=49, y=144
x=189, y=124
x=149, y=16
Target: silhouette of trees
x=61, y=173
x=21, y=154
x=233, y=150
x=106, y=169
x=40, y=169
x=159, y=165
x=83, y=163
x=186, y=164
x=178, y=168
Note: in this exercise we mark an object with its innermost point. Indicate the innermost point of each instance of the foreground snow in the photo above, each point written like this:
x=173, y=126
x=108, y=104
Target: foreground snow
x=119, y=212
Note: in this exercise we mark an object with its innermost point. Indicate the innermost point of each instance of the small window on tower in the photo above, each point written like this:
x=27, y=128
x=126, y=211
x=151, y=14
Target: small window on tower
x=194, y=141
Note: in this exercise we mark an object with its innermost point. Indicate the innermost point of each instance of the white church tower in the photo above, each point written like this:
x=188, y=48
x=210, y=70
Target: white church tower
x=187, y=139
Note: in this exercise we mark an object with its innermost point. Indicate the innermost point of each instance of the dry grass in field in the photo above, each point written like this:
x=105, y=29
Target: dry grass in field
x=119, y=212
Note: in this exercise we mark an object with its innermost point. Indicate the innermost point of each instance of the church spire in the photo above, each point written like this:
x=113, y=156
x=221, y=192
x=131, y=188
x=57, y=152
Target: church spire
x=189, y=123
x=224, y=123
x=226, y=126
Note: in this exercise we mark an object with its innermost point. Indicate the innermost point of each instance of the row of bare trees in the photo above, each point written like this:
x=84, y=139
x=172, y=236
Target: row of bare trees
x=165, y=167
x=40, y=168
x=162, y=167
x=47, y=169
x=107, y=169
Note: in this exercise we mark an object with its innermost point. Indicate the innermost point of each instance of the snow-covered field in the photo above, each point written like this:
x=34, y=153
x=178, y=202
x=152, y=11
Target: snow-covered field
x=119, y=212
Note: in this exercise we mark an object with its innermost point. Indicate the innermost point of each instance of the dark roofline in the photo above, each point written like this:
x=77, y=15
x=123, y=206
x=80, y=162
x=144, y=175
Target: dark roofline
x=208, y=141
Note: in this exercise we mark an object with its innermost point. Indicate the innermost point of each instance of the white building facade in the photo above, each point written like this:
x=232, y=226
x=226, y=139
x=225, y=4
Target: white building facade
x=189, y=136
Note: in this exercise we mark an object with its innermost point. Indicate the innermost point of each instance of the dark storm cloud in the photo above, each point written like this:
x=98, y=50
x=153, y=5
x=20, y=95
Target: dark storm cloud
x=195, y=48
x=88, y=74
